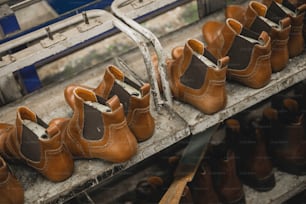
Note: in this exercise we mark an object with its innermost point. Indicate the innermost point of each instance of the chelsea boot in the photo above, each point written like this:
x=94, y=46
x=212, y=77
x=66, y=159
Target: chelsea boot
x=279, y=9
x=228, y=185
x=255, y=18
x=285, y=126
x=36, y=144
x=11, y=191
x=198, y=78
x=249, y=53
x=135, y=100
x=253, y=162
x=98, y=128
x=203, y=191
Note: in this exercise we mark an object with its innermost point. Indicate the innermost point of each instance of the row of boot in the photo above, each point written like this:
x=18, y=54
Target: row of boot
x=247, y=48
x=107, y=123
x=255, y=142
x=215, y=181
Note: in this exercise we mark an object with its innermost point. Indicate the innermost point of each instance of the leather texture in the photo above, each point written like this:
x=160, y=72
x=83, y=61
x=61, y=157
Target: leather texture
x=11, y=191
x=116, y=142
x=250, y=18
x=223, y=39
x=254, y=163
x=205, y=90
x=296, y=40
x=202, y=186
x=137, y=110
x=286, y=130
x=54, y=160
x=229, y=187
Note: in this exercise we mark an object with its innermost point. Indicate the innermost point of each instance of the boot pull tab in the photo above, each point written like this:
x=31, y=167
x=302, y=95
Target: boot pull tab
x=145, y=89
x=116, y=72
x=85, y=94
x=259, y=8
x=114, y=103
x=52, y=130
x=285, y=22
x=24, y=112
x=234, y=25
x=264, y=38
x=223, y=62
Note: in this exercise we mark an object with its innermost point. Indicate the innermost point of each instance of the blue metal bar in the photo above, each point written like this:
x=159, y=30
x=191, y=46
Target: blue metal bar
x=100, y=4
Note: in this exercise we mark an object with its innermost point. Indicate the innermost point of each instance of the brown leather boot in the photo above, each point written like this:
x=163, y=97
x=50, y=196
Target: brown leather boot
x=254, y=165
x=203, y=188
x=286, y=128
x=38, y=145
x=98, y=128
x=233, y=40
x=136, y=103
x=198, y=78
x=228, y=186
x=255, y=18
x=279, y=9
x=11, y=192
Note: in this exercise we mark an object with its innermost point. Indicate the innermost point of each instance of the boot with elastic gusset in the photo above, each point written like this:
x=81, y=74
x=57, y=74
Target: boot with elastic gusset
x=249, y=53
x=253, y=162
x=255, y=18
x=11, y=191
x=227, y=184
x=285, y=126
x=202, y=189
x=198, y=78
x=37, y=144
x=98, y=128
x=279, y=9
x=135, y=99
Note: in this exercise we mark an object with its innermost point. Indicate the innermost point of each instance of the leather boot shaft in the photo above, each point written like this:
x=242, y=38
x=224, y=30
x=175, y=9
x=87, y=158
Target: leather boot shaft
x=287, y=137
x=45, y=153
x=255, y=18
x=11, y=191
x=194, y=82
x=203, y=187
x=229, y=186
x=136, y=108
x=96, y=133
x=254, y=163
x=296, y=14
x=254, y=69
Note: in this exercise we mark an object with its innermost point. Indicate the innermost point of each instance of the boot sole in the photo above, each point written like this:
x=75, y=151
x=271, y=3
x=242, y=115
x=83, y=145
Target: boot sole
x=261, y=185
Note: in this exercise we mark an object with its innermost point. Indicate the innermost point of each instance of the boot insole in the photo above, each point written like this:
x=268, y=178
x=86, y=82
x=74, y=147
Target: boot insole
x=128, y=88
x=93, y=120
x=37, y=129
x=270, y=23
x=30, y=145
x=206, y=61
x=98, y=106
x=251, y=40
